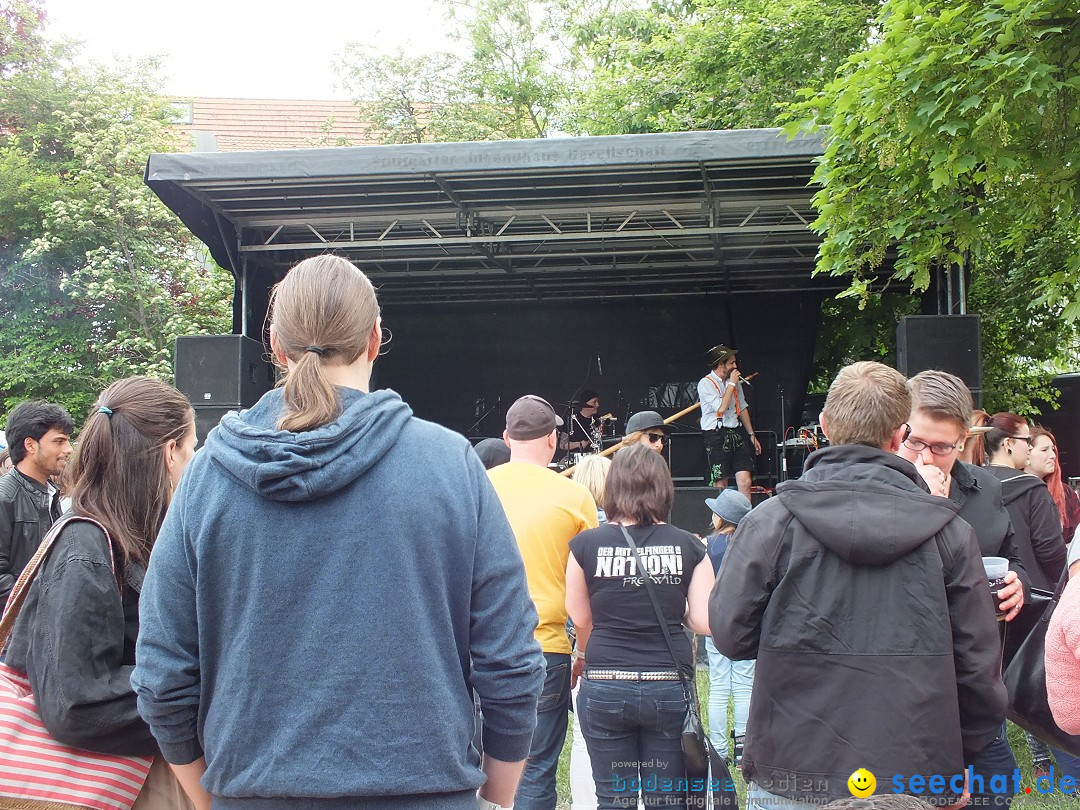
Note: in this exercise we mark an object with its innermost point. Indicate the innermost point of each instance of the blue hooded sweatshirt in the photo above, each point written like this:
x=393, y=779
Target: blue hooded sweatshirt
x=319, y=605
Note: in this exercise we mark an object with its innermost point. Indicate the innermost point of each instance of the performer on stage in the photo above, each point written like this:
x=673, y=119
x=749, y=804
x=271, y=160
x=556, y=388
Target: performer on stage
x=725, y=422
x=585, y=426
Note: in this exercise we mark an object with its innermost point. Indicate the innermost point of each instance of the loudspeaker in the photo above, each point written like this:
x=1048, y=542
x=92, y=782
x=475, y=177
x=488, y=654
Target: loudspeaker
x=206, y=419
x=222, y=370
x=943, y=343
x=686, y=454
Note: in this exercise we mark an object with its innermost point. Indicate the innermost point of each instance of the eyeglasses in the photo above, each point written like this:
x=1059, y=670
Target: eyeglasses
x=1028, y=439
x=938, y=448
x=655, y=438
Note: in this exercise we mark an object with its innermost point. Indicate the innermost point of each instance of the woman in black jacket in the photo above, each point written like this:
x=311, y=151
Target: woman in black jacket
x=1035, y=521
x=75, y=635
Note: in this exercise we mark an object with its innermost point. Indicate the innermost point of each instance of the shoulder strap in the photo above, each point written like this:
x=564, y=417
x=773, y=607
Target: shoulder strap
x=656, y=607
x=22, y=584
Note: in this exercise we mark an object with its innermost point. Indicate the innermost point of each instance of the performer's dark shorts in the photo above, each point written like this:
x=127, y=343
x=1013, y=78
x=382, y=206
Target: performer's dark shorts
x=728, y=451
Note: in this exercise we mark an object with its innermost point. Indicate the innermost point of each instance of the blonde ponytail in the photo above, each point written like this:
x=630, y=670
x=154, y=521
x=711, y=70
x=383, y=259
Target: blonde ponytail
x=322, y=313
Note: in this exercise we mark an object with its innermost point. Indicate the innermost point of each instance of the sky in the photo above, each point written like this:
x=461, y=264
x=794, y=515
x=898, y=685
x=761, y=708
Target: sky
x=243, y=48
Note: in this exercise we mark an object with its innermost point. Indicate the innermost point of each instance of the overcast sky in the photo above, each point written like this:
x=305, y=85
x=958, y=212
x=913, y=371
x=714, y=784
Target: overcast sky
x=244, y=48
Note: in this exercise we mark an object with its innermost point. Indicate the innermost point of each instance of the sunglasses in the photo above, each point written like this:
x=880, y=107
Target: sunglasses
x=656, y=438
x=1028, y=439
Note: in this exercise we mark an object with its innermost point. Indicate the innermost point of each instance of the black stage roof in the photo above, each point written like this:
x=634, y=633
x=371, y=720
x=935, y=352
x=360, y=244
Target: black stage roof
x=662, y=215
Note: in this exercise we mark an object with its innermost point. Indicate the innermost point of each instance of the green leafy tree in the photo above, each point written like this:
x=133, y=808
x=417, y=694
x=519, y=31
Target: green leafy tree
x=97, y=277
x=953, y=140
x=710, y=64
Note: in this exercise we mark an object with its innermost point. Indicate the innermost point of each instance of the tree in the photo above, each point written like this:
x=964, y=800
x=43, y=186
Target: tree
x=710, y=64
x=97, y=277
x=512, y=84
x=953, y=138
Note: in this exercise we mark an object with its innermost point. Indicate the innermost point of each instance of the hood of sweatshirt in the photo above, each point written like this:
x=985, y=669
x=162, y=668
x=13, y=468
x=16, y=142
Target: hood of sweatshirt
x=1015, y=483
x=285, y=466
x=868, y=506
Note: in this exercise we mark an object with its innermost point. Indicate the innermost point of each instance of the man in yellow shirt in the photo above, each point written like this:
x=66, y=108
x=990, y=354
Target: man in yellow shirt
x=545, y=511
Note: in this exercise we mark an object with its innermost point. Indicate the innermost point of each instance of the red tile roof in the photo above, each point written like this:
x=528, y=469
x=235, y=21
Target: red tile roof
x=239, y=124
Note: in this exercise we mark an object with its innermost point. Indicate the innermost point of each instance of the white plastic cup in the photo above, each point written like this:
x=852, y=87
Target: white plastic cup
x=996, y=567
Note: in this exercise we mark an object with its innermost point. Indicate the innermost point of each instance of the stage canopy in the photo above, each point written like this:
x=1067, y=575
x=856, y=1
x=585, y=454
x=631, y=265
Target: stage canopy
x=624, y=216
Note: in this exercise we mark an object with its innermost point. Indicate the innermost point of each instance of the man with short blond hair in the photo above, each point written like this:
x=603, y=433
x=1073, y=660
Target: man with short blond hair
x=864, y=600
x=545, y=511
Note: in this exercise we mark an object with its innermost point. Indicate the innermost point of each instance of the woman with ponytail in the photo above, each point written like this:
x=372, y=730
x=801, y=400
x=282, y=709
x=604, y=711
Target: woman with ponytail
x=335, y=580
x=75, y=635
x=1035, y=521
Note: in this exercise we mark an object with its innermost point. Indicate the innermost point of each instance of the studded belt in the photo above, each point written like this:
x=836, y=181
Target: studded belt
x=629, y=675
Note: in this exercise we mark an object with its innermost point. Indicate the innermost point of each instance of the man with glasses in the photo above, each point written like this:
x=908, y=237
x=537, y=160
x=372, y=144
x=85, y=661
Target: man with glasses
x=725, y=422
x=938, y=428
x=647, y=428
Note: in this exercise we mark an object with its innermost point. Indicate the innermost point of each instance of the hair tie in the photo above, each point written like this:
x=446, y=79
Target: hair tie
x=315, y=350
x=107, y=411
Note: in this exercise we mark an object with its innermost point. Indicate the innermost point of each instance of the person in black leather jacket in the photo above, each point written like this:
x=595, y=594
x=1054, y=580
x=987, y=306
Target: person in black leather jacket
x=75, y=635
x=38, y=433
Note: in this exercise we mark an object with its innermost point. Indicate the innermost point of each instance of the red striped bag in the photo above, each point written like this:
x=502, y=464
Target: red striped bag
x=37, y=772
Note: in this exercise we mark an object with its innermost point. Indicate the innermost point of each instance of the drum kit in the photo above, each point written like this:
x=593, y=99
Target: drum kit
x=601, y=433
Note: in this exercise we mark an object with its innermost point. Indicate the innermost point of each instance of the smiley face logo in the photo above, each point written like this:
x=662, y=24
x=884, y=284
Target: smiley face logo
x=861, y=783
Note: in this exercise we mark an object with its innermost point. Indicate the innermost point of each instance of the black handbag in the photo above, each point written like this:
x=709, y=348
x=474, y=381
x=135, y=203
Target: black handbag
x=698, y=752
x=1020, y=628
x=1025, y=680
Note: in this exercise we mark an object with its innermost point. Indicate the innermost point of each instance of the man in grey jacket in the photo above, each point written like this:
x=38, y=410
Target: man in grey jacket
x=864, y=600
x=39, y=437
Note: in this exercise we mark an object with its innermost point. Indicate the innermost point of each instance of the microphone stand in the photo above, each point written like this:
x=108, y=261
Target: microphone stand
x=474, y=428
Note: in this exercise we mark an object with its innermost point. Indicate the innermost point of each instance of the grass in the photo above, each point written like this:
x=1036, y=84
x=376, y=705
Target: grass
x=1017, y=739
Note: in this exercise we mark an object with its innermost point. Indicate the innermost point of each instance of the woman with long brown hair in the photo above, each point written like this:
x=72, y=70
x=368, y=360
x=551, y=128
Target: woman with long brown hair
x=1035, y=521
x=333, y=583
x=632, y=700
x=75, y=636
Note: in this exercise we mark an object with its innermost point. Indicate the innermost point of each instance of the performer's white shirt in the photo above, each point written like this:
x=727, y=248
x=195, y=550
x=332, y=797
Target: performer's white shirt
x=710, y=402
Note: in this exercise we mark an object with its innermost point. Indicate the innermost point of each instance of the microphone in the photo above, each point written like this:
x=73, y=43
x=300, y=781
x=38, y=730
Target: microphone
x=599, y=367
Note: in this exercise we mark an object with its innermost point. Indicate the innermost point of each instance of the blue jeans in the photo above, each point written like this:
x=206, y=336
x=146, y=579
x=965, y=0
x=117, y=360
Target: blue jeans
x=995, y=760
x=1067, y=764
x=633, y=730
x=537, y=788
x=727, y=677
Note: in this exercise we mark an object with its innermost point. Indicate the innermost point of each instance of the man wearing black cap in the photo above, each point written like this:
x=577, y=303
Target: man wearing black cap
x=647, y=428
x=725, y=422
x=545, y=511
x=578, y=436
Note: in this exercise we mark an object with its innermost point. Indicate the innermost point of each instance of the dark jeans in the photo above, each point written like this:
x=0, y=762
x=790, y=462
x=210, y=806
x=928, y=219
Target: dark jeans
x=995, y=760
x=632, y=730
x=1067, y=765
x=537, y=788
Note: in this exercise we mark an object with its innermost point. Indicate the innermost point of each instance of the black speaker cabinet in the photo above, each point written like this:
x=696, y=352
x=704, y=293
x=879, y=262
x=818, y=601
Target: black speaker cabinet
x=943, y=343
x=206, y=419
x=214, y=370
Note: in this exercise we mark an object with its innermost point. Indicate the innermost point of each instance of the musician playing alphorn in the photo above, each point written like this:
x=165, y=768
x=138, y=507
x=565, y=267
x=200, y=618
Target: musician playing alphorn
x=725, y=422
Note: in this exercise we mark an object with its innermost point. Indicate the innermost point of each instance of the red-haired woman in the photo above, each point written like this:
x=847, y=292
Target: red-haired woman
x=1045, y=463
x=1035, y=519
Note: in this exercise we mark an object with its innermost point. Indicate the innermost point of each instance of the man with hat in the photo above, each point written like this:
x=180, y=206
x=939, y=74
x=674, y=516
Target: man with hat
x=725, y=422
x=545, y=511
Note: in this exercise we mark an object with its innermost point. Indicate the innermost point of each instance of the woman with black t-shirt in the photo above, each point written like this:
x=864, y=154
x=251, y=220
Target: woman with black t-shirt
x=631, y=704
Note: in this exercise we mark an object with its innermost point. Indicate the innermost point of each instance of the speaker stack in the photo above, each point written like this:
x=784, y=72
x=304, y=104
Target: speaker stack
x=220, y=373
x=941, y=343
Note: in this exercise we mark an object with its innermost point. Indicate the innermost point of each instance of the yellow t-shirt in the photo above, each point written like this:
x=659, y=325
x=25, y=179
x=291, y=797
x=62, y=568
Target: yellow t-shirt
x=546, y=512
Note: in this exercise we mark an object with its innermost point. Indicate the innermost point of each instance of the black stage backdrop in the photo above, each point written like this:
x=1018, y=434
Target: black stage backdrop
x=442, y=361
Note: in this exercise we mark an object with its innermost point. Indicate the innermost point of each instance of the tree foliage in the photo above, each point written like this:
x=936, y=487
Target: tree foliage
x=509, y=86
x=709, y=64
x=956, y=132
x=97, y=277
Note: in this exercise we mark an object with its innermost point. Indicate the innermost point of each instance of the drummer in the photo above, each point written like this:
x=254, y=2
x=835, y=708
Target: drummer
x=583, y=433
x=647, y=428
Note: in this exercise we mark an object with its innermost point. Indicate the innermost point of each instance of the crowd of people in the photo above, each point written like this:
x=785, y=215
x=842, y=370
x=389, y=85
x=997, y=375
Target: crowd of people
x=285, y=620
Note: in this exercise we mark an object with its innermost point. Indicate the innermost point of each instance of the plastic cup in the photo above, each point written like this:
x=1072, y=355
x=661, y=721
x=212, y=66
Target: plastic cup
x=996, y=568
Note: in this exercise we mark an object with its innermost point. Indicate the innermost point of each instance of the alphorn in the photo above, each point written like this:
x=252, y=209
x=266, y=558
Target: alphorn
x=570, y=470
